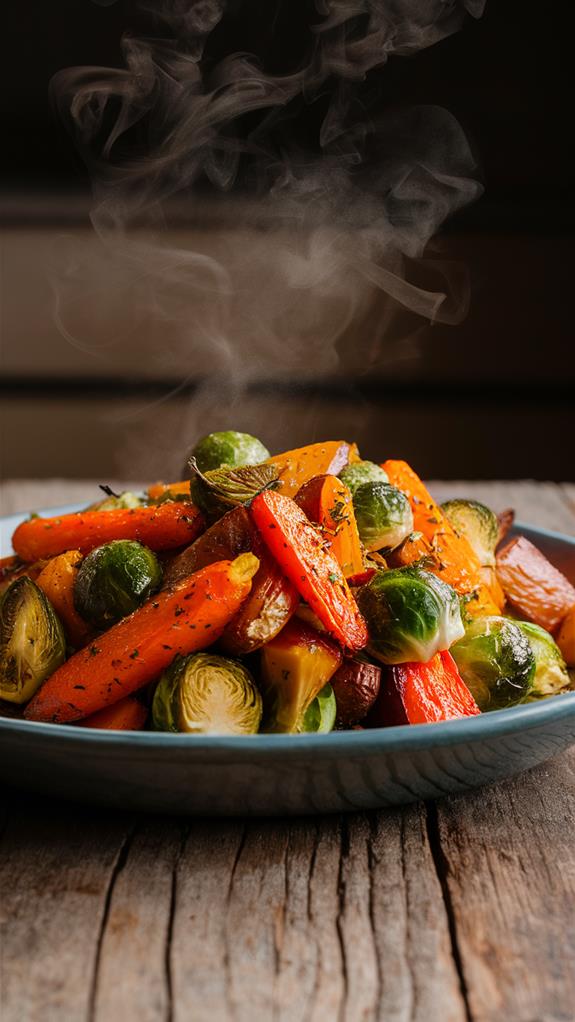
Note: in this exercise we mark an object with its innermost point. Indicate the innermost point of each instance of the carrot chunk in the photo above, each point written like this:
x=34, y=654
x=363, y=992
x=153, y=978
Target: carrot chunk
x=327, y=501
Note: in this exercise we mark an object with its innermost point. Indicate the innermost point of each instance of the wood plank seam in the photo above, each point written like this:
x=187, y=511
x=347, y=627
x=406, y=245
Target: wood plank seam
x=184, y=835
x=441, y=864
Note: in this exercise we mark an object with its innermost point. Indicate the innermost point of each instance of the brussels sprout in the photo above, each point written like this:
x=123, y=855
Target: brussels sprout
x=115, y=501
x=383, y=515
x=496, y=662
x=550, y=668
x=477, y=524
x=114, y=580
x=295, y=667
x=360, y=472
x=207, y=694
x=410, y=615
x=32, y=643
x=321, y=712
x=217, y=491
x=228, y=448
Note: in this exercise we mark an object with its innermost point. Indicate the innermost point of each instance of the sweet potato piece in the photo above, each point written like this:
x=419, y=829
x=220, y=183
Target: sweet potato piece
x=328, y=503
x=533, y=586
x=566, y=637
x=295, y=667
x=298, y=466
x=356, y=685
x=56, y=580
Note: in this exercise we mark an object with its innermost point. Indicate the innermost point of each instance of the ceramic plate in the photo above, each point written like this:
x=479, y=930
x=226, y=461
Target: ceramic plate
x=277, y=774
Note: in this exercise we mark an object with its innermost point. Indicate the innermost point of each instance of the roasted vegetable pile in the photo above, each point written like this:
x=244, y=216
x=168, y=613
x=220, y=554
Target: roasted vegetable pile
x=292, y=593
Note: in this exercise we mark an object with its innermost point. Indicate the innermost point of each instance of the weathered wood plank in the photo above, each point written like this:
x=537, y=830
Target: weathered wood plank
x=510, y=873
x=57, y=864
x=132, y=979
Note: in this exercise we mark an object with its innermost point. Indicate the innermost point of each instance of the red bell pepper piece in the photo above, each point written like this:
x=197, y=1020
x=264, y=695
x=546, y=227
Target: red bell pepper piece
x=306, y=560
x=422, y=693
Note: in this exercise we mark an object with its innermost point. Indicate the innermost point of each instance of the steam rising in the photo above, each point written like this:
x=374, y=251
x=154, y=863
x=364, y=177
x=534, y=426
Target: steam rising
x=319, y=232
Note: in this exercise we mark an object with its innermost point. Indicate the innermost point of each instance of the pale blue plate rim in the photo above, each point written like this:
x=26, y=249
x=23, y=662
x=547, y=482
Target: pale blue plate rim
x=523, y=718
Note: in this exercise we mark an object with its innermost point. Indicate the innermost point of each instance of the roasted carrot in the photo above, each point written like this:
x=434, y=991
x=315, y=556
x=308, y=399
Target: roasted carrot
x=161, y=528
x=174, y=489
x=305, y=558
x=566, y=637
x=451, y=556
x=12, y=568
x=128, y=714
x=181, y=620
x=297, y=466
x=533, y=585
x=328, y=503
x=56, y=580
x=422, y=693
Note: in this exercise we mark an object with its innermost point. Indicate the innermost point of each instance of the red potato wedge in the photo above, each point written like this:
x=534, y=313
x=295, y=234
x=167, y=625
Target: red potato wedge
x=356, y=687
x=532, y=585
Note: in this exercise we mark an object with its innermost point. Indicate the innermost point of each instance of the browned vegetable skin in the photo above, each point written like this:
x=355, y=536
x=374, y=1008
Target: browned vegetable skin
x=533, y=586
x=272, y=599
x=295, y=666
x=566, y=638
x=355, y=685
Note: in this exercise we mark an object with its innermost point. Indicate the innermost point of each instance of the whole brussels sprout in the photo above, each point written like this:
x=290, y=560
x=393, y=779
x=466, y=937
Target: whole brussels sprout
x=228, y=448
x=360, y=472
x=477, y=524
x=383, y=515
x=207, y=694
x=410, y=615
x=114, y=580
x=496, y=662
x=551, y=674
x=321, y=713
x=32, y=643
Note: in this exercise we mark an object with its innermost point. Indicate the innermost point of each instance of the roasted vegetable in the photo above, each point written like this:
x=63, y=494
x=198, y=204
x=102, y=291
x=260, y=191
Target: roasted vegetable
x=566, y=637
x=57, y=581
x=305, y=559
x=410, y=614
x=217, y=491
x=295, y=667
x=478, y=524
x=272, y=601
x=114, y=580
x=422, y=694
x=360, y=472
x=356, y=685
x=230, y=536
x=550, y=668
x=298, y=466
x=451, y=557
x=128, y=715
x=383, y=514
x=32, y=643
x=132, y=653
x=228, y=448
x=327, y=502
x=207, y=694
x=116, y=501
x=496, y=662
x=164, y=527
x=532, y=585
x=321, y=712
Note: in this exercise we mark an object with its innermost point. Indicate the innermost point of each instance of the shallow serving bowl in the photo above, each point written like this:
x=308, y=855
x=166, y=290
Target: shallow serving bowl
x=277, y=774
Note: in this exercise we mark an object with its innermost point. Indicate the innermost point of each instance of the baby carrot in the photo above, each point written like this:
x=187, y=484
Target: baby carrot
x=128, y=714
x=181, y=620
x=305, y=558
x=161, y=527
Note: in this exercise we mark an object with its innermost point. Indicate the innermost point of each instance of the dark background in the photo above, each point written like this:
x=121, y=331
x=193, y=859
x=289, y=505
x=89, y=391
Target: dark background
x=491, y=397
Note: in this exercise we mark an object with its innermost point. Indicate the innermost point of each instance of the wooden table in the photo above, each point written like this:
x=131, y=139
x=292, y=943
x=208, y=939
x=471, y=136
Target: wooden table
x=448, y=912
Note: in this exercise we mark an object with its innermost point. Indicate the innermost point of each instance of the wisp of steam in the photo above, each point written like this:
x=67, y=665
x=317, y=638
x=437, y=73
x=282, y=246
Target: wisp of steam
x=321, y=226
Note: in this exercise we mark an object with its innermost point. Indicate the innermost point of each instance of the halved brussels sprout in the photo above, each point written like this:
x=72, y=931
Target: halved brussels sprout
x=321, y=712
x=360, y=472
x=115, y=501
x=551, y=674
x=114, y=580
x=496, y=662
x=383, y=515
x=410, y=615
x=228, y=448
x=296, y=666
x=207, y=694
x=477, y=524
x=32, y=643
x=217, y=491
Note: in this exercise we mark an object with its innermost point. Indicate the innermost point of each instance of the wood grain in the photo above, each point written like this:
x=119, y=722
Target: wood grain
x=458, y=911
